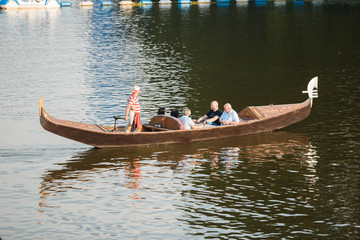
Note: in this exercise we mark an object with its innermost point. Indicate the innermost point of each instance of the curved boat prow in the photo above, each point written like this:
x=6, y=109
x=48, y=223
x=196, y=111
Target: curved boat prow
x=311, y=89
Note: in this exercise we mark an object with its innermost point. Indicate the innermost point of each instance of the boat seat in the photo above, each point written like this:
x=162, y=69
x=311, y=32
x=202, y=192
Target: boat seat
x=165, y=122
x=152, y=128
x=251, y=113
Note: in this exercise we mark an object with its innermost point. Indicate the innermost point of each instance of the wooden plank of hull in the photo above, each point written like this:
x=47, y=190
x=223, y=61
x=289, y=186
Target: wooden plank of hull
x=275, y=117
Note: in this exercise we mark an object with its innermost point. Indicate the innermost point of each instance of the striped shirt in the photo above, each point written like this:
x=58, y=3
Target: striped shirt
x=134, y=101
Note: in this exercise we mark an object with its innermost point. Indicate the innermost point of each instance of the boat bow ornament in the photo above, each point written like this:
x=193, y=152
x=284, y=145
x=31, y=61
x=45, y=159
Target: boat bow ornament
x=311, y=91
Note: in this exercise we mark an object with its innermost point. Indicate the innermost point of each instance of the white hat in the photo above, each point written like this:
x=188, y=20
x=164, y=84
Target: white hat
x=136, y=89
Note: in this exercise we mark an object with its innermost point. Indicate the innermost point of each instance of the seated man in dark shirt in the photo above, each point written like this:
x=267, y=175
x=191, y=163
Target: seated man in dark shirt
x=213, y=116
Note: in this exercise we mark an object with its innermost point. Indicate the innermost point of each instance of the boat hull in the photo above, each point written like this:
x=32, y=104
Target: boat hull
x=274, y=117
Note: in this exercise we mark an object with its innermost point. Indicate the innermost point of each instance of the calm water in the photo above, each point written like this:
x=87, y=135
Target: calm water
x=301, y=182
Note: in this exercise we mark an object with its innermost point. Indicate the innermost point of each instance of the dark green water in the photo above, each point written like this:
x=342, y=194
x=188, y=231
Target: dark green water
x=301, y=182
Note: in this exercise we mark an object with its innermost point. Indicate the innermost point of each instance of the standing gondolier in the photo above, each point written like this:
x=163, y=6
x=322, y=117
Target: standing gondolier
x=133, y=111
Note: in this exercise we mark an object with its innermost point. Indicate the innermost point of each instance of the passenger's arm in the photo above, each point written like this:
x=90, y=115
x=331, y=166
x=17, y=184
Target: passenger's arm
x=213, y=119
x=202, y=118
x=224, y=122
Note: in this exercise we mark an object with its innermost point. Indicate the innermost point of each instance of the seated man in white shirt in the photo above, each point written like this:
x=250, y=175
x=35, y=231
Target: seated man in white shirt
x=229, y=116
x=186, y=120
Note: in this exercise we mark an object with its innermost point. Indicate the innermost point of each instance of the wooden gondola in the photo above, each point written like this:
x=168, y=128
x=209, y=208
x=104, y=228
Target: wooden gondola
x=163, y=129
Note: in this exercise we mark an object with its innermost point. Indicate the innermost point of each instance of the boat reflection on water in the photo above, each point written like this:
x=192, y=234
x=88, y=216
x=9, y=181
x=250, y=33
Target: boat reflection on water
x=212, y=158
